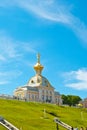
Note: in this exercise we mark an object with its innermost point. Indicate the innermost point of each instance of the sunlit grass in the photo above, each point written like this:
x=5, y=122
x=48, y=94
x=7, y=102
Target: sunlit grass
x=35, y=116
x=2, y=128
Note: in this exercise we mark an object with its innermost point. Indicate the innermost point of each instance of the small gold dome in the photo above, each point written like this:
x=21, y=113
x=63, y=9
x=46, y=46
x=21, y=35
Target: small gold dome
x=38, y=67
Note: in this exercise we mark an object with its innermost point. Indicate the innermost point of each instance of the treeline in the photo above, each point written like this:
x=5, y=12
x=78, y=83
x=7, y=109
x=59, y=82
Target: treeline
x=71, y=100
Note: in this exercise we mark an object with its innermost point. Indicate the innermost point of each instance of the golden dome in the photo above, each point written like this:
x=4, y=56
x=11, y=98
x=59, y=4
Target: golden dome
x=38, y=67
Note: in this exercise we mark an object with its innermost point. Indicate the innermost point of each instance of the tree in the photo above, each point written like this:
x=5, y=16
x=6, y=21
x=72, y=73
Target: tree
x=71, y=100
x=64, y=98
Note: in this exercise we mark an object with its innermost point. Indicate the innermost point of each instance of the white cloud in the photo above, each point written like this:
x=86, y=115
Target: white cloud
x=79, y=28
x=2, y=58
x=28, y=47
x=53, y=10
x=6, y=74
x=4, y=82
x=11, y=49
x=78, y=86
x=56, y=11
x=76, y=79
x=12, y=54
x=6, y=77
x=7, y=48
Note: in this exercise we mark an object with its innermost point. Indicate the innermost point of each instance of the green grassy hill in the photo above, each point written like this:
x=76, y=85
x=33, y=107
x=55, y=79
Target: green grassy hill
x=31, y=116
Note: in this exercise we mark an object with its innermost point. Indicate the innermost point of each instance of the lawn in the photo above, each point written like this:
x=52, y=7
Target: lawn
x=35, y=116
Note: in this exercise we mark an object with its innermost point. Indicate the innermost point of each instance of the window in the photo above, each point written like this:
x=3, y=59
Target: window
x=50, y=97
x=47, y=92
x=51, y=92
x=43, y=97
x=46, y=97
x=42, y=91
x=32, y=96
x=32, y=81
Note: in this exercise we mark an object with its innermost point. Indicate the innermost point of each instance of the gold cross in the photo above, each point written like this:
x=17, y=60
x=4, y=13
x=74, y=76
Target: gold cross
x=38, y=58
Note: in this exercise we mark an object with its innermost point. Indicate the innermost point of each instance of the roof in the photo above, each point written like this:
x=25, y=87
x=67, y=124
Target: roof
x=27, y=88
x=32, y=88
x=56, y=93
x=39, y=80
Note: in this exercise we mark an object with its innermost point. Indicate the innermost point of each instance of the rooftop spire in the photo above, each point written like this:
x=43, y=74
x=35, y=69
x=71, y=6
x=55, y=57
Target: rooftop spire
x=38, y=58
x=38, y=67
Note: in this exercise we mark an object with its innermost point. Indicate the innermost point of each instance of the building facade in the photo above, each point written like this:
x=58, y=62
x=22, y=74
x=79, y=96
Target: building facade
x=84, y=103
x=38, y=88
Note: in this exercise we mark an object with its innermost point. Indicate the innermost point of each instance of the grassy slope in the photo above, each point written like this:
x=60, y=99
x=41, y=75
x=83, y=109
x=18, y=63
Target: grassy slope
x=29, y=116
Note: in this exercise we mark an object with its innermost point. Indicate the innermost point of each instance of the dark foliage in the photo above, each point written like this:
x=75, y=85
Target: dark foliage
x=71, y=100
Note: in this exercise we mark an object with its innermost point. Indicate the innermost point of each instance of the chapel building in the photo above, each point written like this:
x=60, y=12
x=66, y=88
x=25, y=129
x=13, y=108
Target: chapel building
x=38, y=88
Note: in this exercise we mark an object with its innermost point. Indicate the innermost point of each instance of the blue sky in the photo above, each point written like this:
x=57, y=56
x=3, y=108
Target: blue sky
x=57, y=29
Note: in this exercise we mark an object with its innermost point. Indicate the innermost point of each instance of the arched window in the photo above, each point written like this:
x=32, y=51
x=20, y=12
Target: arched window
x=50, y=92
x=47, y=92
x=32, y=81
